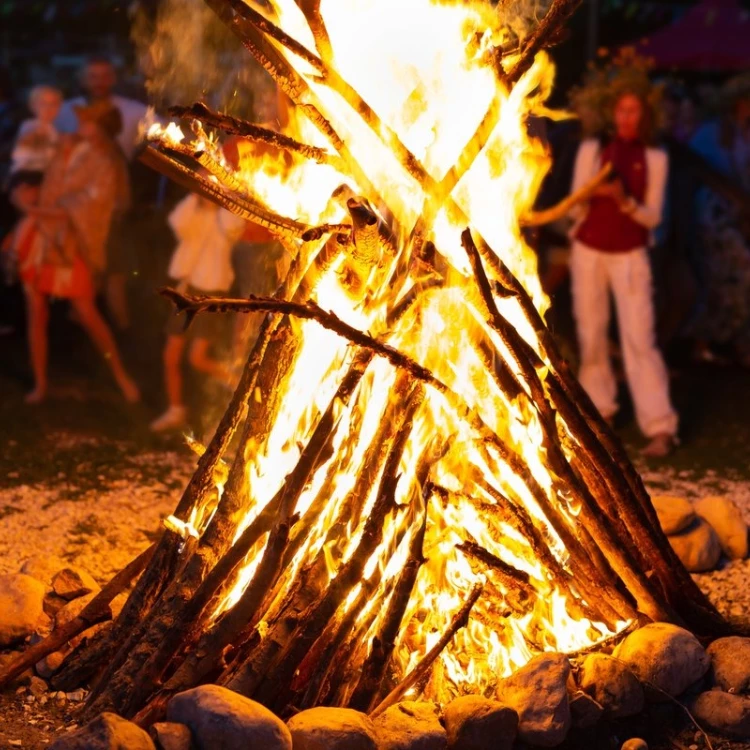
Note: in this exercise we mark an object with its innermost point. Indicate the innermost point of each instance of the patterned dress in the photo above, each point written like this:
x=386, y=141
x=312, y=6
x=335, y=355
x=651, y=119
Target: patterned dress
x=61, y=257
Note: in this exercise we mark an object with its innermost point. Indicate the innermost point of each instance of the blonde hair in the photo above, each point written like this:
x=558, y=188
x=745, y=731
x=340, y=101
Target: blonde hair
x=39, y=91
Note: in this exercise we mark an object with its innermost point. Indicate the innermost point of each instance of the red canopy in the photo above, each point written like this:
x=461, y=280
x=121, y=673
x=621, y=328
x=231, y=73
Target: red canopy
x=712, y=35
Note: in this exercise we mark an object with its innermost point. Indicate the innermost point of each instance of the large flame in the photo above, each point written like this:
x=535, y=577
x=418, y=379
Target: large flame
x=425, y=68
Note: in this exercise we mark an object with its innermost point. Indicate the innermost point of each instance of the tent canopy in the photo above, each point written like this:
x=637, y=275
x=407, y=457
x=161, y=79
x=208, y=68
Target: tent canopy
x=712, y=35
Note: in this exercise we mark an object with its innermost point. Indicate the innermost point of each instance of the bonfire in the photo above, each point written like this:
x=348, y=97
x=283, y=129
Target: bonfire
x=409, y=493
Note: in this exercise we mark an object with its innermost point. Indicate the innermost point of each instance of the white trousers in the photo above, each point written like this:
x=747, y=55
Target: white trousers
x=628, y=275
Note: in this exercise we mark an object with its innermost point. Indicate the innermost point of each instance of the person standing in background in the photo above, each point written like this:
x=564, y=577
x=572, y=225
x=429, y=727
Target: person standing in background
x=98, y=79
x=61, y=243
x=723, y=218
x=610, y=251
x=201, y=264
x=37, y=138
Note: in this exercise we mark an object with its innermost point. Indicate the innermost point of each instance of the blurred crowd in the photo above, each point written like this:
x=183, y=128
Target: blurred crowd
x=665, y=235
x=72, y=204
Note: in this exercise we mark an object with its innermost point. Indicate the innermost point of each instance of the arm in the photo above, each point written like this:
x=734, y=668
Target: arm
x=649, y=213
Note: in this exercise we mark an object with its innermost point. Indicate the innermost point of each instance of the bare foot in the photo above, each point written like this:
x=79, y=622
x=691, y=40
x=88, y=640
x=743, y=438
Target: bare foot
x=659, y=446
x=129, y=389
x=36, y=396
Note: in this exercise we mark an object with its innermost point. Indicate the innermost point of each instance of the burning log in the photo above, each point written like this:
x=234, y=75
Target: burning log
x=248, y=130
x=405, y=430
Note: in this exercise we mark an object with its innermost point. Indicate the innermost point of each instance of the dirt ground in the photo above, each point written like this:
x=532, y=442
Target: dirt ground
x=82, y=478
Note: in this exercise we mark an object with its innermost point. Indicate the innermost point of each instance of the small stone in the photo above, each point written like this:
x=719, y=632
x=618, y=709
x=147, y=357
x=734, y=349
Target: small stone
x=21, y=598
x=50, y=664
x=611, y=684
x=726, y=520
x=675, y=513
x=723, y=713
x=410, y=725
x=665, y=655
x=537, y=692
x=697, y=546
x=70, y=583
x=221, y=718
x=42, y=567
x=585, y=710
x=635, y=744
x=170, y=736
x=37, y=686
x=476, y=723
x=730, y=662
x=325, y=728
x=106, y=732
x=76, y=696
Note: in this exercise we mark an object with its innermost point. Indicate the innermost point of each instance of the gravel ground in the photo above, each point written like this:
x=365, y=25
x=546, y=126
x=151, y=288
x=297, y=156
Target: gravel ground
x=81, y=478
x=101, y=529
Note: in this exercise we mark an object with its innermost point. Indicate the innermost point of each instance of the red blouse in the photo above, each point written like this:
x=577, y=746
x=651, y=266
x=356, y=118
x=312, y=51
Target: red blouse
x=606, y=227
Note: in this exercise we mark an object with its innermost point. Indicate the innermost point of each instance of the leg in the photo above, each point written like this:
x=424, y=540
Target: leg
x=176, y=414
x=173, y=351
x=37, y=319
x=117, y=299
x=591, y=311
x=202, y=361
x=100, y=334
x=644, y=365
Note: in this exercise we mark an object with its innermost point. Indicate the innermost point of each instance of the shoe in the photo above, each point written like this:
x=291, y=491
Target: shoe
x=172, y=419
x=659, y=446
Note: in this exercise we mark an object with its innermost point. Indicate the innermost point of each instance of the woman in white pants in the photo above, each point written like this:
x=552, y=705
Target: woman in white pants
x=610, y=252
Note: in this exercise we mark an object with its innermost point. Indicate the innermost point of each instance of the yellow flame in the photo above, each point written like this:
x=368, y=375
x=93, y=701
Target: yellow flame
x=426, y=69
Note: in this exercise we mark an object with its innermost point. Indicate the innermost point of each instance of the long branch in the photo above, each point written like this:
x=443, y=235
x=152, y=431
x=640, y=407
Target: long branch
x=460, y=619
x=252, y=132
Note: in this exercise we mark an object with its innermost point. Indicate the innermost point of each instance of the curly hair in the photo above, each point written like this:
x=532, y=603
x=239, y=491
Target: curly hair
x=607, y=82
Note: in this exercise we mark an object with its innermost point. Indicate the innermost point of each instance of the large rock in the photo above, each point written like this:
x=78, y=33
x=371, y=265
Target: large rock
x=326, y=728
x=635, y=744
x=724, y=713
x=106, y=732
x=70, y=583
x=537, y=692
x=476, y=723
x=21, y=607
x=611, y=684
x=70, y=611
x=675, y=513
x=667, y=656
x=697, y=546
x=410, y=725
x=726, y=520
x=221, y=719
x=730, y=661
x=168, y=735
x=42, y=567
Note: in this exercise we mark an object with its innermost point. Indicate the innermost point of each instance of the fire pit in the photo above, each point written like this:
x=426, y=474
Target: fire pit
x=409, y=493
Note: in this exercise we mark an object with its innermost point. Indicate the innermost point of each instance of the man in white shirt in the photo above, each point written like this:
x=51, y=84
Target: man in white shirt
x=98, y=79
